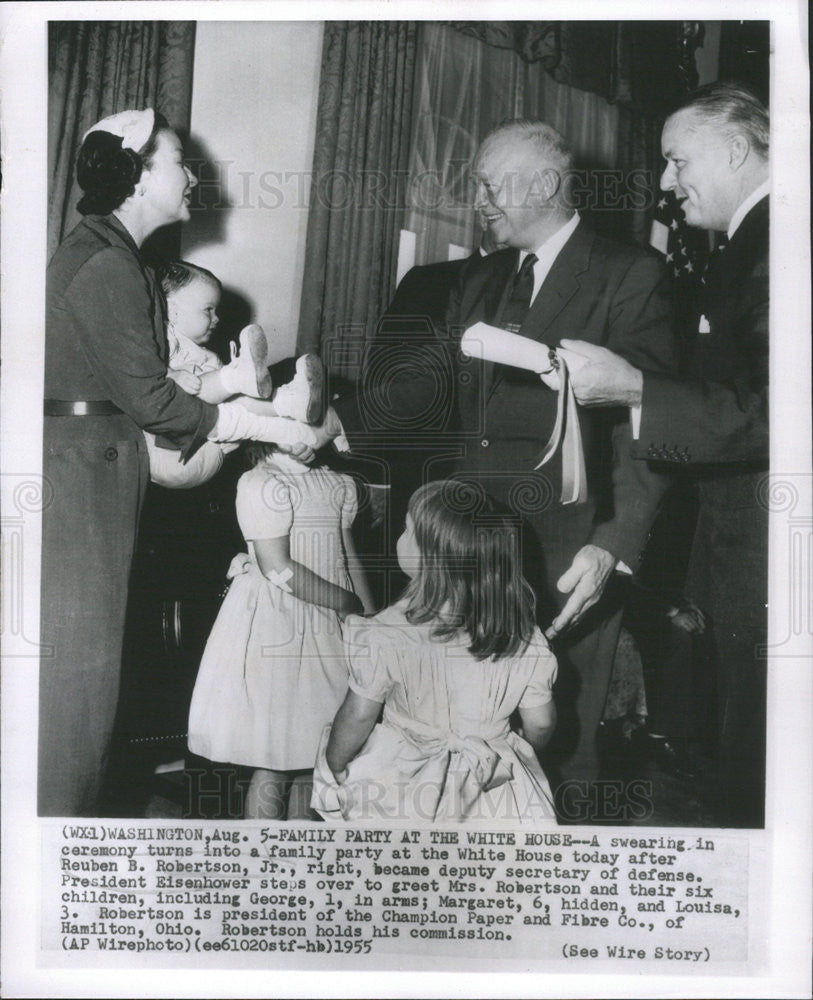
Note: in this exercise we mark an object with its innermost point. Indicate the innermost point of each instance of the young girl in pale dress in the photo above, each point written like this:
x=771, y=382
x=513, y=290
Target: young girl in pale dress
x=273, y=672
x=450, y=663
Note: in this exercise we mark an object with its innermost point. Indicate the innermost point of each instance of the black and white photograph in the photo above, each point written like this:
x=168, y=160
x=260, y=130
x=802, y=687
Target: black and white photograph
x=406, y=500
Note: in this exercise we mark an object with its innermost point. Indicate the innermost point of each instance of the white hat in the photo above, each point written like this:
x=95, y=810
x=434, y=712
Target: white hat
x=134, y=127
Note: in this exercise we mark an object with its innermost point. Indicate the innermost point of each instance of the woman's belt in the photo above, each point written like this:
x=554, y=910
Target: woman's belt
x=79, y=408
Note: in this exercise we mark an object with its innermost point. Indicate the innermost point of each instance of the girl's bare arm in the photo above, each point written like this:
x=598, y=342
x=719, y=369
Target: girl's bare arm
x=353, y=724
x=275, y=562
x=357, y=574
x=538, y=724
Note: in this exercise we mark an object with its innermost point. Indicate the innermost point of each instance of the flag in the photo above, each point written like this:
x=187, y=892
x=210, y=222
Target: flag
x=685, y=250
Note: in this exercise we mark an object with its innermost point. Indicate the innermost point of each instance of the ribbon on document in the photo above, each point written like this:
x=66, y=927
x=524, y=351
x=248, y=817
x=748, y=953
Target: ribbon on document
x=566, y=431
x=489, y=343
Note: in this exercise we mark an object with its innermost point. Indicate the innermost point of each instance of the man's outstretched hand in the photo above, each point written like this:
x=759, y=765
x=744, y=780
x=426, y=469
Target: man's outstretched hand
x=605, y=378
x=585, y=581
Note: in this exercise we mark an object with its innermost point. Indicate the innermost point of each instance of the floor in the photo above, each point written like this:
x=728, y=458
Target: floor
x=187, y=788
x=674, y=801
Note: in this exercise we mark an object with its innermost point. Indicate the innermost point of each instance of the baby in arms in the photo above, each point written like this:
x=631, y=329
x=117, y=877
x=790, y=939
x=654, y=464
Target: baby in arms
x=193, y=295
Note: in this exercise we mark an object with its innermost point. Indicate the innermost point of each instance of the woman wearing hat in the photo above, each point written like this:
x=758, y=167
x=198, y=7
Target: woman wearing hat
x=105, y=381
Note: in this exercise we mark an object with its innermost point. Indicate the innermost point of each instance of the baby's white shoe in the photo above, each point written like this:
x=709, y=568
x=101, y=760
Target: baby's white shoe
x=247, y=372
x=303, y=397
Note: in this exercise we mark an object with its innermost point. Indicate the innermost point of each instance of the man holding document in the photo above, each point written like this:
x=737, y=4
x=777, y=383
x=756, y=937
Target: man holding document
x=555, y=279
x=714, y=421
x=588, y=518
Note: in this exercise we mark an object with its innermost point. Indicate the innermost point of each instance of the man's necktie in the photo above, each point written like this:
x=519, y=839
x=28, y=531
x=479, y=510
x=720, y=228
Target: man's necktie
x=714, y=259
x=710, y=278
x=519, y=300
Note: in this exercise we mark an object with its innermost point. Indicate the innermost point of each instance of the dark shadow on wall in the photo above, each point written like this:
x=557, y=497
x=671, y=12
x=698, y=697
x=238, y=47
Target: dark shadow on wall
x=235, y=312
x=212, y=199
x=211, y=205
x=209, y=208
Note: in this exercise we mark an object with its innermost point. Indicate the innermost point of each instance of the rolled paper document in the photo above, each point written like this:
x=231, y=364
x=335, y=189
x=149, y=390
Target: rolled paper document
x=489, y=343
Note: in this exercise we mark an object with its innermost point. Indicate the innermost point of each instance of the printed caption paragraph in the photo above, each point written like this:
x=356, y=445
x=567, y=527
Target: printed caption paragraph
x=119, y=894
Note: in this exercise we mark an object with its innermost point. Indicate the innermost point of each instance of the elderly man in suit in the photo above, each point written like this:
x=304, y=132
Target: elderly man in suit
x=714, y=420
x=554, y=278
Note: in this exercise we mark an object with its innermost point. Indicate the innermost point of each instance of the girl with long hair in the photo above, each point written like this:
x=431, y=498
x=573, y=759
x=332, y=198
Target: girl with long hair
x=450, y=664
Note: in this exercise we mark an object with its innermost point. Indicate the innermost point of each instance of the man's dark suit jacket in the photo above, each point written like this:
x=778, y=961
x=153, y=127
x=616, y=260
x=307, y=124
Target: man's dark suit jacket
x=715, y=424
x=407, y=380
x=596, y=291
x=425, y=290
x=406, y=402
x=496, y=421
x=493, y=422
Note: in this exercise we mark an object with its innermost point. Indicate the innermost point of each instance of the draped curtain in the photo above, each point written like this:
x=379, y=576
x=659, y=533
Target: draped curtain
x=97, y=68
x=640, y=68
x=465, y=86
x=402, y=109
x=360, y=163
x=647, y=65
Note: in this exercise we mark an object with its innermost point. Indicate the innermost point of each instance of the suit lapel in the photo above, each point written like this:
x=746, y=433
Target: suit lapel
x=560, y=285
x=740, y=246
x=724, y=278
x=487, y=287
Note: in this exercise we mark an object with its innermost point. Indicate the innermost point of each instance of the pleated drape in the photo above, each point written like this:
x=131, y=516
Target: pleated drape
x=466, y=86
x=97, y=68
x=453, y=82
x=358, y=189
